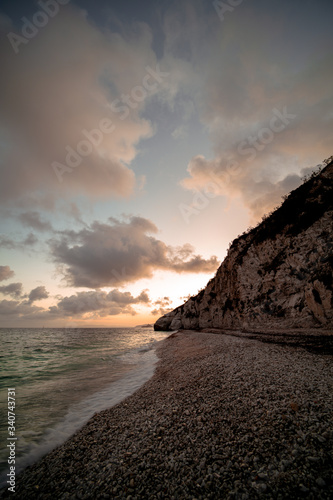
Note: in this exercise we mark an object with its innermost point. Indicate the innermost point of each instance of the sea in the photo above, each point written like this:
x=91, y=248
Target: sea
x=59, y=378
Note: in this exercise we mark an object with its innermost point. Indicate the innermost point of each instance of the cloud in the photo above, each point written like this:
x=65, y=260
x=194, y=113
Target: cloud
x=100, y=302
x=29, y=240
x=38, y=293
x=18, y=309
x=161, y=311
x=258, y=187
x=5, y=273
x=261, y=182
x=163, y=306
x=165, y=301
x=243, y=75
x=180, y=132
x=11, y=244
x=8, y=243
x=121, y=252
x=75, y=77
x=34, y=220
x=13, y=289
x=86, y=305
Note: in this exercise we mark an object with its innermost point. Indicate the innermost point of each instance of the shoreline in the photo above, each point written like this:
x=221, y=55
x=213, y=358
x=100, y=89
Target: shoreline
x=123, y=385
x=223, y=416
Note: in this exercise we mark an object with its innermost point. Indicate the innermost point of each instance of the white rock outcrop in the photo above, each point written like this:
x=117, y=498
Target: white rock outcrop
x=277, y=275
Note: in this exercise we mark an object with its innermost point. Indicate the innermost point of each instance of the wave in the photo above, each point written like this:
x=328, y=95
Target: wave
x=79, y=414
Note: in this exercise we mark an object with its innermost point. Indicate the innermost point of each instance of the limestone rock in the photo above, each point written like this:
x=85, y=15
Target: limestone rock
x=164, y=323
x=277, y=275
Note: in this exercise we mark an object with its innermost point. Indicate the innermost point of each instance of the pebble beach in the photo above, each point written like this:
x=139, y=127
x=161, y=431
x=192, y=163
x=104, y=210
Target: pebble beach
x=224, y=416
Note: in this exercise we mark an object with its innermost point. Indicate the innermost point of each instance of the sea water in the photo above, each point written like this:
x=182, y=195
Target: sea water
x=61, y=377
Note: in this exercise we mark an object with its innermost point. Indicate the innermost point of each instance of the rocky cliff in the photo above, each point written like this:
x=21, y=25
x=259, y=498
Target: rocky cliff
x=277, y=275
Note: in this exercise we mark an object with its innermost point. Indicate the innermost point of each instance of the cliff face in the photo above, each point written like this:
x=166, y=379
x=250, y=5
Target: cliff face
x=277, y=275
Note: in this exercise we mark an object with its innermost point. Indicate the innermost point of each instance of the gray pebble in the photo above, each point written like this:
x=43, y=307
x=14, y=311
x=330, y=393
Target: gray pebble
x=217, y=425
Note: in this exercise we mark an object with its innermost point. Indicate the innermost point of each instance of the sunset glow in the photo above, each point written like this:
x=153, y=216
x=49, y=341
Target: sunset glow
x=138, y=139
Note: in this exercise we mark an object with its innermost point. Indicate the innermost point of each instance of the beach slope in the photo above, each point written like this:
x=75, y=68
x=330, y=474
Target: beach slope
x=224, y=416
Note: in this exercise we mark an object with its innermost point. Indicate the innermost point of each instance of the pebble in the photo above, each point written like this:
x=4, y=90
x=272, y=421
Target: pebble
x=262, y=476
x=226, y=429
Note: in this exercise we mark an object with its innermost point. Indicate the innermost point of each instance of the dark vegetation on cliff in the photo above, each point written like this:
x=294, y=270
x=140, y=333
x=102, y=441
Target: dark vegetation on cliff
x=301, y=208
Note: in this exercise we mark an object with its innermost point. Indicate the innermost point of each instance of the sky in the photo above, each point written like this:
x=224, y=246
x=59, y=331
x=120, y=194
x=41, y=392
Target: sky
x=138, y=139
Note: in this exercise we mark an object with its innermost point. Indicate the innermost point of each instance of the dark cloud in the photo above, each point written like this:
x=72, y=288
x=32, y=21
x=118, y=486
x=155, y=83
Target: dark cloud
x=18, y=309
x=30, y=240
x=13, y=289
x=34, y=220
x=121, y=252
x=38, y=293
x=5, y=273
x=101, y=302
x=92, y=304
x=6, y=242
x=11, y=244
